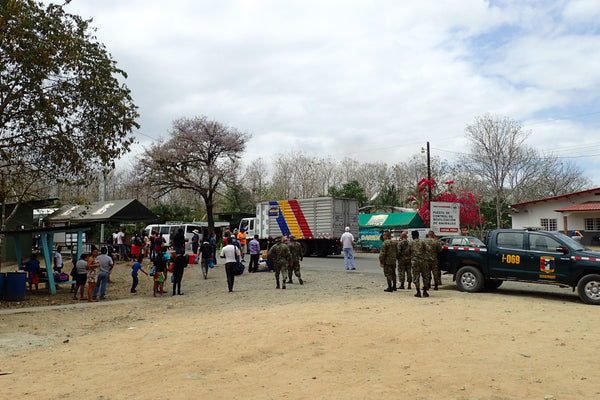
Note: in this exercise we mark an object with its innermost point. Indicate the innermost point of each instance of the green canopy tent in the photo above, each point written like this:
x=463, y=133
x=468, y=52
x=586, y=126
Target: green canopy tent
x=371, y=226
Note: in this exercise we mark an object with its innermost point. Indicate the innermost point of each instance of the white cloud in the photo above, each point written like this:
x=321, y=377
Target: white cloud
x=369, y=80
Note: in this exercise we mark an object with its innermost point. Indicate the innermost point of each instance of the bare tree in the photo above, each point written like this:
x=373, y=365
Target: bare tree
x=256, y=179
x=404, y=176
x=539, y=176
x=373, y=177
x=282, y=178
x=347, y=171
x=564, y=177
x=201, y=156
x=325, y=175
x=497, y=151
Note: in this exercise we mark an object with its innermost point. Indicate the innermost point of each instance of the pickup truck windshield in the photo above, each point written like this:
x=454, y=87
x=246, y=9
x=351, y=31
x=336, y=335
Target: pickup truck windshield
x=574, y=244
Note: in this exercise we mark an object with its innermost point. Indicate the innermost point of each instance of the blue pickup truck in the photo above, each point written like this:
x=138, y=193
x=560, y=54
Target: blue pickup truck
x=524, y=255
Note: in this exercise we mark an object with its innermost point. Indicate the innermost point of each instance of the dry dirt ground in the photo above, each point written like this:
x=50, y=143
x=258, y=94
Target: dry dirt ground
x=339, y=336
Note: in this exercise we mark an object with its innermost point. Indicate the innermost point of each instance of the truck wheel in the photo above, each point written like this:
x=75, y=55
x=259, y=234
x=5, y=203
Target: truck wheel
x=588, y=289
x=469, y=279
x=492, y=284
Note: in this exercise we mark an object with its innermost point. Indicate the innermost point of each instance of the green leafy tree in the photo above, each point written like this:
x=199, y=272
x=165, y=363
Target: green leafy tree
x=387, y=198
x=60, y=95
x=239, y=199
x=64, y=112
x=351, y=190
x=172, y=212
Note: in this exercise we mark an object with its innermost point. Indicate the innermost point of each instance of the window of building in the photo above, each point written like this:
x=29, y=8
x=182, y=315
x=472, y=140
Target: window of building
x=549, y=224
x=592, y=224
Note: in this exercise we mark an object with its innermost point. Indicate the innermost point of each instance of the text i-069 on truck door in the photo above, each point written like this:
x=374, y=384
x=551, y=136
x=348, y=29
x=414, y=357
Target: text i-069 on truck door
x=528, y=256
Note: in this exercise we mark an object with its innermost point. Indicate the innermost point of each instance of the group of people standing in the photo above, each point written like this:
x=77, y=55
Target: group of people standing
x=283, y=257
x=138, y=246
x=93, y=269
x=416, y=261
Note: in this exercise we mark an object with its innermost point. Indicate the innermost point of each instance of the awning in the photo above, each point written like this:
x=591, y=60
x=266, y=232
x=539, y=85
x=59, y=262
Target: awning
x=102, y=212
x=391, y=220
x=587, y=206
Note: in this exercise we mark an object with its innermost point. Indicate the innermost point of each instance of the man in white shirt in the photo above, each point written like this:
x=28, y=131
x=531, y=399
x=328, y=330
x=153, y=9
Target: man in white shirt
x=106, y=266
x=231, y=253
x=122, y=245
x=347, y=240
x=58, y=262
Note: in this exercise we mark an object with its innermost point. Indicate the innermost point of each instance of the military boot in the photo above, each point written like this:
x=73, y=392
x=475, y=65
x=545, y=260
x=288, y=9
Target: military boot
x=425, y=294
x=418, y=294
x=409, y=285
x=290, y=281
x=402, y=286
x=394, y=286
x=283, y=285
x=300, y=281
x=435, y=287
x=389, y=288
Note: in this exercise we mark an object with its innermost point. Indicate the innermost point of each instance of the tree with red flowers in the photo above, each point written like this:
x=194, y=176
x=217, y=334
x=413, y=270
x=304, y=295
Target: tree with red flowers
x=469, y=210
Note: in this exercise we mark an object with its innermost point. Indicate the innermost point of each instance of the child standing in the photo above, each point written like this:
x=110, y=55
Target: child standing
x=80, y=276
x=160, y=267
x=32, y=267
x=134, y=275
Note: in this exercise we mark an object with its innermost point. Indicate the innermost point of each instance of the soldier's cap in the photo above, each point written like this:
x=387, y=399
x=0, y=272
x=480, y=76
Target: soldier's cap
x=292, y=237
x=278, y=238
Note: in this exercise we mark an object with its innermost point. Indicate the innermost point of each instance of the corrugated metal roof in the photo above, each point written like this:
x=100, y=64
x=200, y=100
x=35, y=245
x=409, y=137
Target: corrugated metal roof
x=103, y=211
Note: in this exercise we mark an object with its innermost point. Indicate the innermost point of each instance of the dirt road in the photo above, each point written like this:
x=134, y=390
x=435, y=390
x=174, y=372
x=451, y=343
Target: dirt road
x=338, y=336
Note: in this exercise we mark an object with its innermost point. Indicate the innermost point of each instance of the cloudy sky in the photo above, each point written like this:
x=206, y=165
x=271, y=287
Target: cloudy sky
x=366, y=79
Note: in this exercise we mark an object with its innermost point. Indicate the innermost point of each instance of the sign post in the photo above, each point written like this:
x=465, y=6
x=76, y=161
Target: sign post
x=445, y=218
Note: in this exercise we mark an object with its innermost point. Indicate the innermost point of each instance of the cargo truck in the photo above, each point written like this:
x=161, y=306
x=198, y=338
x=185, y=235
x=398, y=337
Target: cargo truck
x=316, y=223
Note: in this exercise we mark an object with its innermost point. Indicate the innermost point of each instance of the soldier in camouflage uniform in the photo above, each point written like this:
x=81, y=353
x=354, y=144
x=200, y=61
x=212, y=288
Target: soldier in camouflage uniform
x=434, y=248
x=282, y=259
x=418, y=250
x=404, y=267
x=296, y=252
x=388, y=254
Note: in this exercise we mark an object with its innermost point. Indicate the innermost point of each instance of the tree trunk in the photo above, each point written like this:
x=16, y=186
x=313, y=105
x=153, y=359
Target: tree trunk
x=208, y=202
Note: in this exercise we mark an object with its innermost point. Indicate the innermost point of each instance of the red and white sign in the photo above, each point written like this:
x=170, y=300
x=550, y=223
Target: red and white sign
x=445, y=218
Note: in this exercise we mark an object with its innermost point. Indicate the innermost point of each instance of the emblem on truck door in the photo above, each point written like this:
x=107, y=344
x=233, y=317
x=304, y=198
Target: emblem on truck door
x=547, y=264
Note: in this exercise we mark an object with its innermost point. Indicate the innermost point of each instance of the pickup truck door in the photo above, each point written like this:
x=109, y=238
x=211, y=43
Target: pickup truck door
x=510, y=258
x=546, y=261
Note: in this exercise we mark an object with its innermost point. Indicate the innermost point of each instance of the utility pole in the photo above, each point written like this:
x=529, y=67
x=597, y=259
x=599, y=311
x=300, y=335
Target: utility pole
x=429, y=181
x=102, y=198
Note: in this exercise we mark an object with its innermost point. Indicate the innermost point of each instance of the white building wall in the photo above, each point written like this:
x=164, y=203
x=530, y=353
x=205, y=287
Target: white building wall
x=531, y=214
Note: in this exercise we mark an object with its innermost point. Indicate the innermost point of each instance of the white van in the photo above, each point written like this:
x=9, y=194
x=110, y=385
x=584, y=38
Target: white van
x=168, y=229
x=188, y=229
